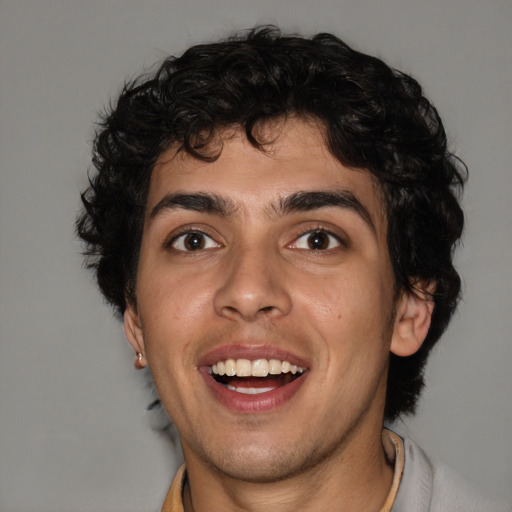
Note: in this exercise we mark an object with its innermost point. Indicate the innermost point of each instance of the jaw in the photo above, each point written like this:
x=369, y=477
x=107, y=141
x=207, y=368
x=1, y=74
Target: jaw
x=279, y=444
x=253, y=433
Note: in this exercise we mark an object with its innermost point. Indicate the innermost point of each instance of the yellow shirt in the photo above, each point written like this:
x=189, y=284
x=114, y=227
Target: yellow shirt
x=393, y=447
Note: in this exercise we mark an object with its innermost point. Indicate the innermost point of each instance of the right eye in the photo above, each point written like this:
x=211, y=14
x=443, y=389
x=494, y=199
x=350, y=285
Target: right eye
x=317, y=240
x=193, y=241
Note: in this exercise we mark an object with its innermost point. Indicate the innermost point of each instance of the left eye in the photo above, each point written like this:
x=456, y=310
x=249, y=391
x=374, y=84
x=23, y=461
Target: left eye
x=317, y=241
x=193, y=241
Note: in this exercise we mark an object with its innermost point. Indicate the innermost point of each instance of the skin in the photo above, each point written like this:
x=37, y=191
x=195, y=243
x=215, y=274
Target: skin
x=257, y=282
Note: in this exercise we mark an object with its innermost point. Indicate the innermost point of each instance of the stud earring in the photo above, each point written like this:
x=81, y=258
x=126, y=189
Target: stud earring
x=139, y=361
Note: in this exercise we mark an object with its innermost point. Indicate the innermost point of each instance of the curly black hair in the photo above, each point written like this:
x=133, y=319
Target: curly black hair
x=375, y=118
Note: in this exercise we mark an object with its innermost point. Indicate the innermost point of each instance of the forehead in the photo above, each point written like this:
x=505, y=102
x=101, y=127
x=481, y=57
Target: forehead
x=294, y=158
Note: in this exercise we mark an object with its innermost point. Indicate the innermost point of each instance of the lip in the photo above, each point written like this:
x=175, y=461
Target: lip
x=251, y=404
x=250, y=352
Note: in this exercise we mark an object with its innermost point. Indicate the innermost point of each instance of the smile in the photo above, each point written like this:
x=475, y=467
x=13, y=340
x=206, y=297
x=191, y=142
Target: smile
x=249, y=385
x=236, y=375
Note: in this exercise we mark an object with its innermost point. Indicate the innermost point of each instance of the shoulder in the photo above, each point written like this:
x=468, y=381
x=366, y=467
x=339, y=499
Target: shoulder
x=433, y=487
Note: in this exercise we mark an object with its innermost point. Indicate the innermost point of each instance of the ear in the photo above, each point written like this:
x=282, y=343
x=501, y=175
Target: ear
x=412, y=320
x=134, y=334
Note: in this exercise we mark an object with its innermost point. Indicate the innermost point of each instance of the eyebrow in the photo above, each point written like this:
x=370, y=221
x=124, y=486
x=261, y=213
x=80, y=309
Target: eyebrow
x=314, y=200
x=199, y=202
x=302, y=201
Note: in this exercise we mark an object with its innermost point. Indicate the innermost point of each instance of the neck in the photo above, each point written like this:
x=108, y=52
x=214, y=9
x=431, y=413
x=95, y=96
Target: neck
x=355, y=476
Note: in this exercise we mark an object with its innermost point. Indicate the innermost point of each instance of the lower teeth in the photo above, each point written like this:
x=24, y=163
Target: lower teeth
x=249, y=391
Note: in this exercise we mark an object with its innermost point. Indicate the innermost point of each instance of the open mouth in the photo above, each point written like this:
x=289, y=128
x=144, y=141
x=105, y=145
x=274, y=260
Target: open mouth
x=253, y=377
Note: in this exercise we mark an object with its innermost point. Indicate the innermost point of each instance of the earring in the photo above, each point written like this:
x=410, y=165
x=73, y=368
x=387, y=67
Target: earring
x=139, y=361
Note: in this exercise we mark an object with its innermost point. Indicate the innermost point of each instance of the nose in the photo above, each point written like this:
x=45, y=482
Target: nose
x=253, y=286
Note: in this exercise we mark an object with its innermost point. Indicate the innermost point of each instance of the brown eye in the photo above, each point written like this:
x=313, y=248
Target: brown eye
x=193, y=241
x=317, y=241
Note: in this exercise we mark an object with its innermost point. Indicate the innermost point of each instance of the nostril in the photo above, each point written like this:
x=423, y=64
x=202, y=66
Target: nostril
x=230, y=310
x=251, y=301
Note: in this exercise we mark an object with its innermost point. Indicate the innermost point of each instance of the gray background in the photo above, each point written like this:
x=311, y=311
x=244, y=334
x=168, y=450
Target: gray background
x=74, y=433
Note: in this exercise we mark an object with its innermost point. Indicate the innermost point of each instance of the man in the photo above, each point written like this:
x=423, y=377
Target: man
x=275, y=217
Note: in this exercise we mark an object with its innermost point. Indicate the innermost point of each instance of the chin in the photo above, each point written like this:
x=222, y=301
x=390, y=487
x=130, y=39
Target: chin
x=271, y=468
x=269, y=463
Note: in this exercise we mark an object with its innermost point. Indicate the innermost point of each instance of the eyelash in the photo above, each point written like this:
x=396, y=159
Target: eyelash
x=322, y=230
x=170, y=245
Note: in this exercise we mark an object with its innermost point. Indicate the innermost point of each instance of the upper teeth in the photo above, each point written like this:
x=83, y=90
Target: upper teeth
x=256, y=368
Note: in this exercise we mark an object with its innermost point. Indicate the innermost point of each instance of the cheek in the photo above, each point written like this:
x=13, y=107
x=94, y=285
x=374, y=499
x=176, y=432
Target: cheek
x=356, y=298
x=172, y=299
x=351, y=318
x=172, y=311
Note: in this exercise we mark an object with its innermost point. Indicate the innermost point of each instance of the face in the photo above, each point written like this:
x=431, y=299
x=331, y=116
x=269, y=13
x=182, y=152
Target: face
x=265, y=303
